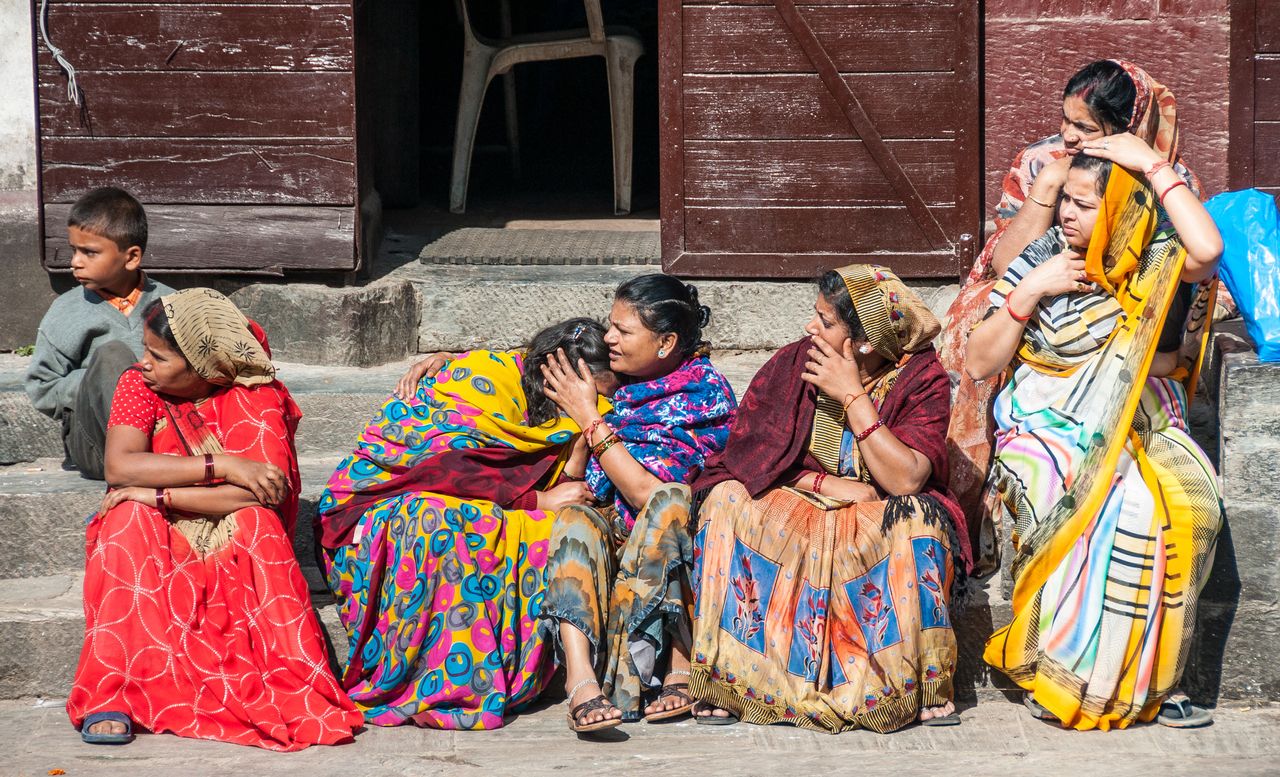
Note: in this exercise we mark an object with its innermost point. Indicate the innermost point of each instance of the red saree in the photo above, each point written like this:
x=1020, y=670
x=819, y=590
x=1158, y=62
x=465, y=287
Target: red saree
x=221, y=644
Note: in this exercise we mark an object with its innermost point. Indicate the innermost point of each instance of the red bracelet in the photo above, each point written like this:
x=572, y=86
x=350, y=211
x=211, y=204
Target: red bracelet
x=591, y=429
x=817, y=482
x=208, y=467
x=869, y=430
x=1172, y=186
x=1009, y=309
x=162, y=502
x=1150, y=172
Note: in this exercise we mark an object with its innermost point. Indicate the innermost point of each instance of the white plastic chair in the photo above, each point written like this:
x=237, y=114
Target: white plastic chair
x=483, y=58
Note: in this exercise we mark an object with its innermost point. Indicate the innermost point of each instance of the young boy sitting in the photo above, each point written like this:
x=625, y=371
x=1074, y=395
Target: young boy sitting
x=92, y=334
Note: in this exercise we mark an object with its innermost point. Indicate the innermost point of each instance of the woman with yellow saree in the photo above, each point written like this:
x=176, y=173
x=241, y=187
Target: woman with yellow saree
x=435, y=534
x=1115, y=510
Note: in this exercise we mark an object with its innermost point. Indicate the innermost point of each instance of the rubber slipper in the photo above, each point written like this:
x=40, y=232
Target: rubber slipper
x=1181, y=713
x=712, y=720
x=1037, y=711
x=598, y=702
x=106, y=739
x=952, y=719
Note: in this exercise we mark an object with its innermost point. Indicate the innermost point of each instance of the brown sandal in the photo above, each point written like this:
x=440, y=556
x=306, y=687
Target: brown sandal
x=597, y=702
x=672, y=691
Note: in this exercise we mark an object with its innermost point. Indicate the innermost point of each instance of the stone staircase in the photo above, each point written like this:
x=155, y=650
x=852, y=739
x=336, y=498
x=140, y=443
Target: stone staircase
x=43, y=511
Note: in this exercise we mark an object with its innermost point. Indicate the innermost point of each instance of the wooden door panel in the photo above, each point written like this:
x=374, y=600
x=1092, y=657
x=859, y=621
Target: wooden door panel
x=800, y=107
x=234, y=123
x=799, y=137
x=729, y=39
x=228, y=238
x=817, y=172
x=269, y=172
x=820, y=230
x=168, y=105
x=222, y=38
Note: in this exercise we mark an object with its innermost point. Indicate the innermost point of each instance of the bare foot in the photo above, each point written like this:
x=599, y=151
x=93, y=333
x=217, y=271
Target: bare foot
x=929, y=713
x=585, y=692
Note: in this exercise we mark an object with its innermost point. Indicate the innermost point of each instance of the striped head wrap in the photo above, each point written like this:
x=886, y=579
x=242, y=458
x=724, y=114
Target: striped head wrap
x=896, y=320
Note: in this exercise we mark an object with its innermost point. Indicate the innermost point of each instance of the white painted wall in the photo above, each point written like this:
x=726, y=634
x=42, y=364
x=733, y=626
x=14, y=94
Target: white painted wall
x=17, y=97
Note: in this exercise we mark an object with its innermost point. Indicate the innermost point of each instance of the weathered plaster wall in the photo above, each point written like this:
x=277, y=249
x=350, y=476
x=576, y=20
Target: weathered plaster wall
x=25, y=292
x=1033, y=47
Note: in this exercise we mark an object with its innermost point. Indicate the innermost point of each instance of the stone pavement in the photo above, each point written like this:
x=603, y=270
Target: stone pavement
x=996, y=738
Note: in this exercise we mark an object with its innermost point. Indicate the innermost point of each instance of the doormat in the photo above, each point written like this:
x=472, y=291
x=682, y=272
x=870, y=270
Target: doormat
x=476, y=245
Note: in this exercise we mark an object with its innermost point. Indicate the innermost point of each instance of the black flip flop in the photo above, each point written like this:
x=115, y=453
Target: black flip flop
x=95, y=718
x=1179, y=712
x=1037, y=711
x=713, y=720
x=951, y=719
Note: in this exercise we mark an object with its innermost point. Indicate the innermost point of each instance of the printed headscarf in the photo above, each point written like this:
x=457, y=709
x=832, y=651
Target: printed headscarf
x=216, y=339
x=896, y=320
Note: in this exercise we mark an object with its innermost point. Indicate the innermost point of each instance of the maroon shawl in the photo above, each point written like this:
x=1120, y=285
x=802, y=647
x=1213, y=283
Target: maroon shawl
x=769, y=440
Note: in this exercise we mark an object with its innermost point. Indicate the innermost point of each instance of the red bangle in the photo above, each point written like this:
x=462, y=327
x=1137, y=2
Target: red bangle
x=208, y=467
x=1009, y=309
x=1150, y=172
x=591, y=429
x=869, y=430
x=1171, y=187
x=817, y=482
x=162, y=502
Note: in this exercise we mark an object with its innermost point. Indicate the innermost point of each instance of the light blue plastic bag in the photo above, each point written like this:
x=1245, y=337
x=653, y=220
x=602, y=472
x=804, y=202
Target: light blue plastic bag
x=1250, y=265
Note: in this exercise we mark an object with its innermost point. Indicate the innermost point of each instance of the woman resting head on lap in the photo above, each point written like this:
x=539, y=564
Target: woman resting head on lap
x=617, y=605
x=198, y=619
x=1113, y=500
x=1104, y=99
x=437, y=526
x=828, y=539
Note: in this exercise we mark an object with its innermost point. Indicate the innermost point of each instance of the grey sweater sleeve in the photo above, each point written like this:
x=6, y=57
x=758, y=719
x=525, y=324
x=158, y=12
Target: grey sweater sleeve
x=52, y=379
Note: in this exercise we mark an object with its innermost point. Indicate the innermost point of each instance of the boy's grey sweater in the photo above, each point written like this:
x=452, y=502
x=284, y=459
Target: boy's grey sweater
x=77, y=324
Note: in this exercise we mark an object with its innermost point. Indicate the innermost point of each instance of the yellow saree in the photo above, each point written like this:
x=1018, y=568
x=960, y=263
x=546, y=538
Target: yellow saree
x=1116, y=509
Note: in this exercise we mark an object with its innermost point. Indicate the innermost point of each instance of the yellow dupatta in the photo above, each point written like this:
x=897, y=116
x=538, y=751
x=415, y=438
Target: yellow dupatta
x=1142, y=269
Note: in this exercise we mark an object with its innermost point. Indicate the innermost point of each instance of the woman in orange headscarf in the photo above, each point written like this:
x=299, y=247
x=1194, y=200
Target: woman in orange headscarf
x=1102, y=99
x=1115, y=509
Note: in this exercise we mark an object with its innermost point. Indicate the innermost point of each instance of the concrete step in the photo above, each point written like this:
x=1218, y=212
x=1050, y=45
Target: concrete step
x=336, y=404
x=45, y=509
x=42, y=629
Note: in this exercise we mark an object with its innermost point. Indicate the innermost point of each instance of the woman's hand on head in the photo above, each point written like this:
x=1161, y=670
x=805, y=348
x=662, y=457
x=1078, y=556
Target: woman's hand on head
x=836, y=374
x=265, y=481
x=1050, y=180
x=146, y=496
x=561, y=495
x=572, y=389
x=1064, y=272
x=1125, y=149
x=427, y=368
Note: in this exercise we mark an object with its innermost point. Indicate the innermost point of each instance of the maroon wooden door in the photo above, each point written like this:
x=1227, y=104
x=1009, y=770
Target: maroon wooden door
x=233, y=123
x=1254, y=151
x=796, y=138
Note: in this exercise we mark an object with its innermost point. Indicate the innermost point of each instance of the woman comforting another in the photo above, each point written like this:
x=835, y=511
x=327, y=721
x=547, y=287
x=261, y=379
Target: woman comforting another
x=1114, y=508
x=618, y=599
x=435, y=532
x=197, y=618
x=1105, y=98
x=828, y=540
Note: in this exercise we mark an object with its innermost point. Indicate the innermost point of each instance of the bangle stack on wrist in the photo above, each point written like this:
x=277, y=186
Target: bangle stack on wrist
x=599, y=448
x=817, y=482
x=208, y=468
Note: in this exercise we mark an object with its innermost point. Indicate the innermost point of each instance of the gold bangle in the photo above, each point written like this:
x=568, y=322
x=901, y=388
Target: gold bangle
x=608, y=443
x=1031, y=197
x=851, y=399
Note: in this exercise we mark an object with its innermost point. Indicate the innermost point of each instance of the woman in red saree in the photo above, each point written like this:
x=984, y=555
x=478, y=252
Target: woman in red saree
x=197, y=617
